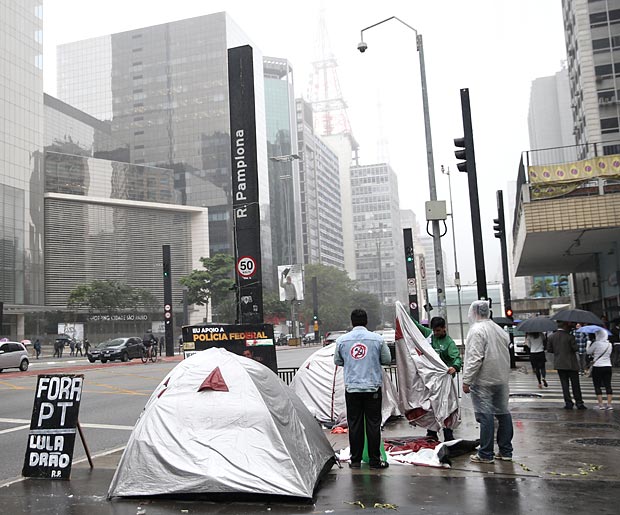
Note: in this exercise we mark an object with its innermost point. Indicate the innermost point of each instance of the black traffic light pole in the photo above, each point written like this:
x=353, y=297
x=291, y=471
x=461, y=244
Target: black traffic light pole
x=412, y=287
x=168, y=300
x=315, y=305
x=469, y=166
x=500, y=232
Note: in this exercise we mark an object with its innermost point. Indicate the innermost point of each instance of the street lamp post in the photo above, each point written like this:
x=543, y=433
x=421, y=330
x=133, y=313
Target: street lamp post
x=457, y=276
x=362, y=47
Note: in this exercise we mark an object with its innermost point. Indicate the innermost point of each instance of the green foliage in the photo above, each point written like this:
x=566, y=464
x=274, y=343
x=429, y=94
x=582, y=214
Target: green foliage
x=110, y=296
x=213, y=284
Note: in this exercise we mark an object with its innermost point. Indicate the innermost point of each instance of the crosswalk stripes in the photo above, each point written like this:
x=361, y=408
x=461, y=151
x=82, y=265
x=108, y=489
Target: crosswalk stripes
x=523, y=383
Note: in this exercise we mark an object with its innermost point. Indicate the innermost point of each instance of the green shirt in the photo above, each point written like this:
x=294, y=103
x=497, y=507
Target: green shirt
x=445, y=347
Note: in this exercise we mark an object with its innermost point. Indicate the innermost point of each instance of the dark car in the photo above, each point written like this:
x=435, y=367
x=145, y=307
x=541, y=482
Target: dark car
x=122, y=349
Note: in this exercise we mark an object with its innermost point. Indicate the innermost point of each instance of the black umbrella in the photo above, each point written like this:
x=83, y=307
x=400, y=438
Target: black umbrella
x=503, y=321
x=578, y=316
x=537, y=325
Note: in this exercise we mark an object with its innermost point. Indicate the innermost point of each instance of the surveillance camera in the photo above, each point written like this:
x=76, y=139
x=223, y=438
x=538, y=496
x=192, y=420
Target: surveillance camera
x=362, y=47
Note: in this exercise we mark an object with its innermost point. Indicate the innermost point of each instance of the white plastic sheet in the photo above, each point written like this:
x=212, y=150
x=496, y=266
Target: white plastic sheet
x=428, y=395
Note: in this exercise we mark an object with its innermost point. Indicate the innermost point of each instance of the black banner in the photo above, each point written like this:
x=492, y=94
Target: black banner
x=53, y=426
x=246, y=213
x=254, y=341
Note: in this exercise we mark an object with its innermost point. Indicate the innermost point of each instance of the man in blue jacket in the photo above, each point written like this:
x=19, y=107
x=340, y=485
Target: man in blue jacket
x=362, y=354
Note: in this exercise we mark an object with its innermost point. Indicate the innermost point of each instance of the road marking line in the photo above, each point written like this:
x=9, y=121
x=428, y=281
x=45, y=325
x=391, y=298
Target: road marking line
x=12, y=386
x=18, y=428
x=116, y=389
x=75, y=462
x=89, y=425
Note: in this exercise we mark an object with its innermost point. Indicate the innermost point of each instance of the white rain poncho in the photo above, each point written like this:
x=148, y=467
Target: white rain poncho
x=428, y=395
x=487, y=361
x=319, y=383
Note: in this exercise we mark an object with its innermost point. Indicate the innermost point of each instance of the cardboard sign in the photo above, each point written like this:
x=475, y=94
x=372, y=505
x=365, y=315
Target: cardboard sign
x=49, y=452
x=254, y=341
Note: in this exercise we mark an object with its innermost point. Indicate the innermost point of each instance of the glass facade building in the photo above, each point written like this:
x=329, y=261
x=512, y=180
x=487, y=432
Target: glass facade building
x=107, y=219
x=21, y=180
x=321, y=203
x=284, y=187
x=164, y=90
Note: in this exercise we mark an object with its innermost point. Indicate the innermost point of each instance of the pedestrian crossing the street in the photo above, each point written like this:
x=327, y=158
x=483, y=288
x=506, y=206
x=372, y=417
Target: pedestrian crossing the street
x=524, y=387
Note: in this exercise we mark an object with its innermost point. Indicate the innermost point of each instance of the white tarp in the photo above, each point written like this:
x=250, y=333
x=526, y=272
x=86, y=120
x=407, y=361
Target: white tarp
x=255, y=438
x=319, y=383
x=428, y=395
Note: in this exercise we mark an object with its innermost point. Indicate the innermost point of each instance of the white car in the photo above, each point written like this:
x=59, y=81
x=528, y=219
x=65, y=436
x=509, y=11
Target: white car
x=13, y=355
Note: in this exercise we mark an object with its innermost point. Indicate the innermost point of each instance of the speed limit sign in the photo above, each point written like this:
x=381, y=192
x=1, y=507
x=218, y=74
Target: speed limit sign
x=246, y=267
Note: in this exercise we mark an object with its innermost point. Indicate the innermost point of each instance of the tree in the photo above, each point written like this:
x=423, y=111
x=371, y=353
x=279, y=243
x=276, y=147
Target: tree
x=213, y=284
x=110, y=296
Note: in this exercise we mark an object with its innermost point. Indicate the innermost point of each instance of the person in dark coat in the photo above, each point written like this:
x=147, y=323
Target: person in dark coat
x=564, y=348
x=37, y=347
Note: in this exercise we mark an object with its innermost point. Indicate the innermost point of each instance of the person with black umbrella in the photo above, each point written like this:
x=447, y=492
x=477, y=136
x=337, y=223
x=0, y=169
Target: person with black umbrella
x=564, y=348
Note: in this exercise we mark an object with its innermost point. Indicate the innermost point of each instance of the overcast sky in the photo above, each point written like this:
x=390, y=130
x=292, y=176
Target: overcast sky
x=493, y=47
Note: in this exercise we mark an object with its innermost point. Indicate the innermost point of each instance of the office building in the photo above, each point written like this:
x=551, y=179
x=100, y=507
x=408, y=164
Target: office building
x=21, y=174
x=282, y=150
x=164, y=90
x=379, y=248
x=320, y=194
x=592, y=29
x=107, y=219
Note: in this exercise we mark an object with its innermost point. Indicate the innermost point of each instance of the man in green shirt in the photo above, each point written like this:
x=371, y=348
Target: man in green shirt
x=448, y=352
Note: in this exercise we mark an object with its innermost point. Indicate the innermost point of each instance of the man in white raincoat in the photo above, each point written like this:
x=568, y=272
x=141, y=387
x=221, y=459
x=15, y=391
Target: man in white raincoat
x=485, y=376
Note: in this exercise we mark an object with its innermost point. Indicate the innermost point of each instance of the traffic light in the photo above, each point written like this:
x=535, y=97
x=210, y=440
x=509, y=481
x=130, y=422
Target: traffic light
x=498, y=228
x=166, y=269
x=461, y=154
x=409, y=254
x=315, y=323
x=508, y=313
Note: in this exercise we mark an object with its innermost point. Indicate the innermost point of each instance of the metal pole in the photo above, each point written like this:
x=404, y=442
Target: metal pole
x=457, y=277
x=380, y=282
x=439, y=275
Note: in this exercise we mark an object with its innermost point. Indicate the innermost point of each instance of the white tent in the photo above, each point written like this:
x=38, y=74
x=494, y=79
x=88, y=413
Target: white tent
x=220, y=422
x=319, y=383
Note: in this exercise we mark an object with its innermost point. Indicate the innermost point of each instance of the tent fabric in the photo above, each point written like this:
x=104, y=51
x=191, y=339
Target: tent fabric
x=428, y=395
x=319, y=383
x=256, y=438
x=214, y=381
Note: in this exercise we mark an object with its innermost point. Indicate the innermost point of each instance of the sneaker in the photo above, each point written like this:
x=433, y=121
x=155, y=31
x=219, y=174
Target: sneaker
x=475, y=458
x=568, y=406
x=581, y=406
x=503, y=458
x=545, y=383
x=610, y=407
x=355, y=465
x=539, y=386
x=600, y=406
x=380, y=465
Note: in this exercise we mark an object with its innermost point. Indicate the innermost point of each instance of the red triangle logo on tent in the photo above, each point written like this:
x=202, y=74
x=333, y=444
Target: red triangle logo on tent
x=214, y=381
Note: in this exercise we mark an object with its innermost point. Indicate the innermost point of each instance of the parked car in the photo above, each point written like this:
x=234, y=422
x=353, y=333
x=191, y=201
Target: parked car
x=332, y=336
x=13, y=355
x=122, y=349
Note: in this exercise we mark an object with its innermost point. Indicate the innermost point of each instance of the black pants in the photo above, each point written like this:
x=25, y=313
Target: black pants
x=360, y=406
x=573, y=377
x=601, y=377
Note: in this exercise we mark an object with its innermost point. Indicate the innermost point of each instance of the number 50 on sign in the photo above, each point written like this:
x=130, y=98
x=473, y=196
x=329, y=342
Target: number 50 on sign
x=246, y=266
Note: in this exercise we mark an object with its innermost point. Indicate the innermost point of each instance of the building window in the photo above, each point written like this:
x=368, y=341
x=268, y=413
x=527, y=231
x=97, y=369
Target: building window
x=609, y=125
x=610, y=150
x=598, y=19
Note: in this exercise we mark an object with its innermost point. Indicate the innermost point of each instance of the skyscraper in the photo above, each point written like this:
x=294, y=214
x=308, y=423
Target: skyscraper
x=379, y=247
x=21, y=180
x=165, y=91
x=320, y=194
x=592, y=29
x=283, y=153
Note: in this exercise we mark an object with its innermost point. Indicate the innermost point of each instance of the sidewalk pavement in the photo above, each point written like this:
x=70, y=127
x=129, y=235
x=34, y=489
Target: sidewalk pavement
x=564, y=462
